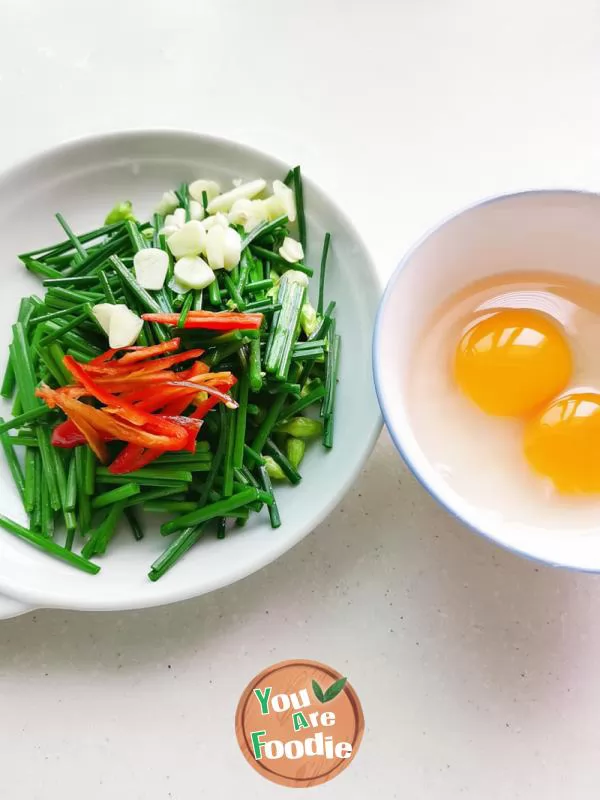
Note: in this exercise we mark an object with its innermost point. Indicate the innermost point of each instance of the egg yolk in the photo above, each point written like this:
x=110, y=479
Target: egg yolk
x=563, y=442
x=512, y=361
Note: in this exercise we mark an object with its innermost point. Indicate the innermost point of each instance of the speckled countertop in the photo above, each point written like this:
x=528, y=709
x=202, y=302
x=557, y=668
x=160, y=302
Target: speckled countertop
x=477, y=671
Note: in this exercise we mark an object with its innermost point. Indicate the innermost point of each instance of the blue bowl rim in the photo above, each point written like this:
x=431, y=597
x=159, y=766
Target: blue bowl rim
x=377, y=373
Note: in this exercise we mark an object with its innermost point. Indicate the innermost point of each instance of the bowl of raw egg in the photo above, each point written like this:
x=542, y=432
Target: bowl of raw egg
x=487, y=368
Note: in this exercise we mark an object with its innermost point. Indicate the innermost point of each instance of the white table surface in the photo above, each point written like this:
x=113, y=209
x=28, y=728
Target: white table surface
x=478, y=672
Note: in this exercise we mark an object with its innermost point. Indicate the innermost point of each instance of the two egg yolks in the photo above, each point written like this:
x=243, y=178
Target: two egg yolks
x=516, y=363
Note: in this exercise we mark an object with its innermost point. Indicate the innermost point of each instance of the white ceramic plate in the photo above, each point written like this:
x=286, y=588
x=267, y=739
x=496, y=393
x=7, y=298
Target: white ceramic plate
x=83, y=180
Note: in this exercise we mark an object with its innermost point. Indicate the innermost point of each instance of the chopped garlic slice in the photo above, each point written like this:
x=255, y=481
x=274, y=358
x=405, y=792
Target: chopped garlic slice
x=291, y=250
x=125, y=327
x=196, y=210
x=151, y=266
x=295, y=276
x=223, y=248
x=196, y=188
x=285, y=197
x=215, y=246
x=103, y=313
x=193, y=272
x=232, y=248
x=189, y=240
x=173, y=222
x=168, y=203
x=248, y=213
x=218, y=219
x=225, y=201
x=177, y=287
x=120, y=324
x=309, y=319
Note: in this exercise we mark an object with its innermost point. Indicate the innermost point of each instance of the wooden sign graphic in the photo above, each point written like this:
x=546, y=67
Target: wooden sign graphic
x=299, y=723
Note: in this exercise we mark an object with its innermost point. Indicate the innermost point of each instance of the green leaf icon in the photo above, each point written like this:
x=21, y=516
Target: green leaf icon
x=334, y=690
x=318, y=692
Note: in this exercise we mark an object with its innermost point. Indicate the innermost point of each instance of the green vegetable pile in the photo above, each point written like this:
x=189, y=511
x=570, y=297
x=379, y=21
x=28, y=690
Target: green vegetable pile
x=286, y=375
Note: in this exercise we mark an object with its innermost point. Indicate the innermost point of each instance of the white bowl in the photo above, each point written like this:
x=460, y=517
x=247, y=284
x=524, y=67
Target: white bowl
x=557, y=231
x=83, y=180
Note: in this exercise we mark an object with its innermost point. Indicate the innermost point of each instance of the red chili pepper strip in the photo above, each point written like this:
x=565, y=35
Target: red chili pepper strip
x=176, y=407
x=176, y=389
x=222, y=325
x=193, y=426
x=133, y=457
x=205, y=406
x=92, y=438
x=135, y=354
x=165, y=363
x=102, y=358
x=174, y=436
x=88, y=431
x=67, y=435
x=197, y=368
x=158, y=398
x=121, y=368
x=215, y=378
x=232, y=316
x=182, y=398
x=121, y=407
x=112, y=368
x=218, y=321
x=134, y=370
x=125, y=383
x=205, y=387
x=73, y=391
x=101, y=393
x=166, y=394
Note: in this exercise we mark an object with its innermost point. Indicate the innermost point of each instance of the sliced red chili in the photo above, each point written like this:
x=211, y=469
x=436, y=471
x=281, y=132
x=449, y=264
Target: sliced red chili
x=166, y=363
x=136, y=370
x=67, y=435
x=94, y=440
x=101, y=393
x=172, y=436
x=133, y=457
x=134, y=386
x=205, y=406
x=135, y=354
x=114, y=404
x=206, y=387
x=218, y=321
x=102, y=358
x=176, y=407
x=192, y=426
x=125, y=382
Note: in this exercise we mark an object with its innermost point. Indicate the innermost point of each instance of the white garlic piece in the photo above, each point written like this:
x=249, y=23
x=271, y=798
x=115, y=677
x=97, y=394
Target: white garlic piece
x=291, y=250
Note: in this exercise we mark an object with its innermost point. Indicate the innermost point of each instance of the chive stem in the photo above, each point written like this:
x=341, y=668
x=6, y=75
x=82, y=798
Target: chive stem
x=74, y=240
x=219, y=509
x=115, y=495
x=322, y=271
x=23, y=419
x=48, y=545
